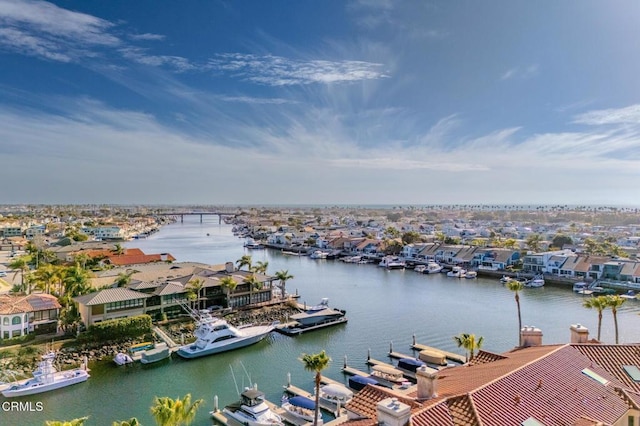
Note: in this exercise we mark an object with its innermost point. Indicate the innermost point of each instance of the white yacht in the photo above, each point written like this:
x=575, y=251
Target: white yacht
x=535, y=282
x=433, y=268
x=46, y=378
x=252, y=410
x=215, y=335
x=392, y=262
x=471, y=275
x=318, y=254
x=420, y=269
x=122, y=358
x=457, y=272
x=315, y=317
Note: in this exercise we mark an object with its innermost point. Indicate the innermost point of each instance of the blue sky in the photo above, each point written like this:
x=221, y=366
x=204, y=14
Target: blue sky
x=325, y=102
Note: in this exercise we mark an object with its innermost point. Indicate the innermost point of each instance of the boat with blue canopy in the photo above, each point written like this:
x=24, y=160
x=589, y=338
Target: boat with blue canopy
x=358, y=383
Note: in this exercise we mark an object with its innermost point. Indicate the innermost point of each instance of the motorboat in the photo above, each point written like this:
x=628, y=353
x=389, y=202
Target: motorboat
x=471, y=274
x=358, y=382
x=505, y=279
x=420, y=269
x=46, y=378
x=250, y=243
x=630, y=295
x=122, y=358
x=535, y=282
x=456, y=272
x=334, y=395
x=301, y=407
x=252, y=410
x=433, y=268
x=317, y=316
x=392, y=262
x=579, y=286
x=319, y=254
x=215, y=335
x=388, y=376
x=159, y=352
x=410, y=365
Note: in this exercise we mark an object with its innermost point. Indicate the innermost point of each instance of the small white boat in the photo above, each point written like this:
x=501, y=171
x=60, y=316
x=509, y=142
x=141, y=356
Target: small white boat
x=420, y=269
x=392, y=262
x=535, y=282
x=334, y=394
x=505, y=279
x=46, y=378
x=433, y=268
x=121, y=358
x=159, y=352
x=301, y=407
x=471, y=274
x=252, y=410
x=630, y=295
x=251, y=244
x=457, y=272
x=318, y=254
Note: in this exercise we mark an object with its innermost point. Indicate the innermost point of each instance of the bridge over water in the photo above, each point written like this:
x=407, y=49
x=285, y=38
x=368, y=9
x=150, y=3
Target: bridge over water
x=182, y=214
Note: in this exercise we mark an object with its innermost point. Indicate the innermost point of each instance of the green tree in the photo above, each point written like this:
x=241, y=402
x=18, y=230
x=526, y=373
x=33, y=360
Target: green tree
x=282, y=277
x=118, y=249
x=560, y=240
x=74, y=422
x=614, y=302
x=410, y=237
x=316, y=363
x=244, y=261
x=510, y=243
x=228, y=284
x=174, y=412
x=534, y=241
x=20, y=264
x=392, y=232
x=48, y=275
x=469, y=343
x=261, y=267
x=123, y=279
x=599, y=303
x=196, y=285
x=517, y=286
x=76, y=281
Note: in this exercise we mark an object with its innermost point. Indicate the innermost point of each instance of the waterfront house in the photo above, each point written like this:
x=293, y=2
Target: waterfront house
x=579, y=383
x=428, y=252
x=538, y=263
x=109, y=304
x=494, y=259
x=23, y=314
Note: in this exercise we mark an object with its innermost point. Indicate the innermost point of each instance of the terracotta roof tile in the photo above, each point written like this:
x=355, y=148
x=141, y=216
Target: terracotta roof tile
x=365, y=403
x=438, y=415
x=10, y=304
x=612, y=358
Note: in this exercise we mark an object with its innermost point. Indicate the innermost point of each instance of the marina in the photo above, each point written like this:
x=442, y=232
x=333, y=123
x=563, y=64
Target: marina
x=382, y=306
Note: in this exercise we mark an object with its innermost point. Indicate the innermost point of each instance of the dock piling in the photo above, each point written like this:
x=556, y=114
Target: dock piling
x=345, y=362
x=288, y=379
x=369, y=354
x=215, y=403
x=391, y=346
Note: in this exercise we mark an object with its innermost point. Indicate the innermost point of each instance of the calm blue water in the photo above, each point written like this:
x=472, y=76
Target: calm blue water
x=382, y=306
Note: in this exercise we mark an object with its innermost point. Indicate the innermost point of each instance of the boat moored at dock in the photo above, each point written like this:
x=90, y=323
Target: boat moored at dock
x=392, y=262
x=335, y=395
x=46, y=378
x=252, y=410
x=300, y=407
x=313, y=318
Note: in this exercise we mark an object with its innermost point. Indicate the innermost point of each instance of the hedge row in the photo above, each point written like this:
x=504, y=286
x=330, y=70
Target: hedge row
x=119, y=329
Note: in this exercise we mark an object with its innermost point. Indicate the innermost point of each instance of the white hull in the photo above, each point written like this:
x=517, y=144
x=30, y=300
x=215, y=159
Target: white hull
x=60, y=379
x=250, y=336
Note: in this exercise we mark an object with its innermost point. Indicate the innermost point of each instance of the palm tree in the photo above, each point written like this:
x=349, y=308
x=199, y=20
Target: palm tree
x=244, y=261
x=283, y=276
x=517, y=286
x=229, y=284
x=196, y=285
x=76, y=281
x=131, y=422
x=123, y=279
x=47, y=275
x=170, y=412
x=614, y=302
x=533, y=241
x=261, y=267
x=74, y=422
x=599, y=303
x=469, y=343
x=20, y=264
x=118, y=249
x=316, y=363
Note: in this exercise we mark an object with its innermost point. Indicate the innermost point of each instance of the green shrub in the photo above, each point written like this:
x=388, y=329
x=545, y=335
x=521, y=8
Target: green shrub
x=120, y=329
x=17, y=340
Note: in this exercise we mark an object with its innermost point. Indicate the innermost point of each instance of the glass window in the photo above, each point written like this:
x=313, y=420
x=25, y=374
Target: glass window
x=5, y=321
x=16, y=320
x=26, y=318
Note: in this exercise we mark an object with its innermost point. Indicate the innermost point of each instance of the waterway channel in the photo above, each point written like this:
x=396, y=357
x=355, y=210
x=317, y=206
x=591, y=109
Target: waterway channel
x=382, y=307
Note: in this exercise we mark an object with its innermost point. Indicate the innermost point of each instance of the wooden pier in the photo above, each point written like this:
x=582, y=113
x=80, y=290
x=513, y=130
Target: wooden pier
x=461, y=359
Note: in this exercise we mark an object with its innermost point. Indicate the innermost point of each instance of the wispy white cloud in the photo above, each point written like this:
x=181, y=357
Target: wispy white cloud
x=254, y=100
x=38, y=28
x=140, y=55
x=147, y=36
x=280, y=71
x=521, y=72
x=625, y=115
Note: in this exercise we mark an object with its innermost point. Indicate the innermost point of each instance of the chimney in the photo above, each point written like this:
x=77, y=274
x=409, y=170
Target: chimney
x=579, y=333
x=392, y=412
x=530, y=336
x=163, y=257
x=427, y=383
x=229, y=267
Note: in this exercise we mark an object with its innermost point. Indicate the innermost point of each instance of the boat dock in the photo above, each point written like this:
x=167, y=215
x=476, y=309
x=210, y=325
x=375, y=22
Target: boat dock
x=294, y=390
x=461, y=359
x=290, y=328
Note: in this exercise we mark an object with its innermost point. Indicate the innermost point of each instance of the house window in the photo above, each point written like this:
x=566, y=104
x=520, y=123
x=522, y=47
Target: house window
x=632, y=421
x=5, y=335
x=5, y=321
x=16, y=320
x=26, y=318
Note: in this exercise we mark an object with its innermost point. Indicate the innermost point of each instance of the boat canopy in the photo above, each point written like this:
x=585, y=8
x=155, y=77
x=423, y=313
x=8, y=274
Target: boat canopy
x=302, y=401
x=337, y=391
x=364, y=380
x=387, y=370
x=410, y=364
